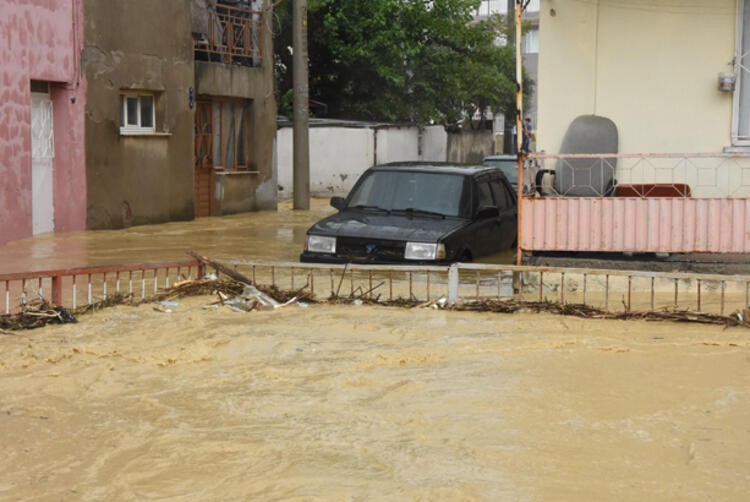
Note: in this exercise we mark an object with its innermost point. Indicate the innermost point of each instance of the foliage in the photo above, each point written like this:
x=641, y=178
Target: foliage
x=414, y=61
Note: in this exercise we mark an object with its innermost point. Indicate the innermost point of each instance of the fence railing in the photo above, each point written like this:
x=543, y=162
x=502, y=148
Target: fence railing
x=681, y=175
x=87, y=285
x=234, y=36
x=608, y=290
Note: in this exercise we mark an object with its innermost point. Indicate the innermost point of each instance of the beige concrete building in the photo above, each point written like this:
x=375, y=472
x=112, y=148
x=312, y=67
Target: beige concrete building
x=181, y=114
x=651, y=66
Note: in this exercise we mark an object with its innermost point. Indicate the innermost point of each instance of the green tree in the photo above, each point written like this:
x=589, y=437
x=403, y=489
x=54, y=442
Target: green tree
x=414, y=61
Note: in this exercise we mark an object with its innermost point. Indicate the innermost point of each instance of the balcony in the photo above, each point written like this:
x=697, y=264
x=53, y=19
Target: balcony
x=232, y=35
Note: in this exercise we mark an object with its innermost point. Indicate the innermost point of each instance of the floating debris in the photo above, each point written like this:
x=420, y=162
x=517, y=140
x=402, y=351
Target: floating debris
x=589, y=312
x=241, y=294
x=35, y=315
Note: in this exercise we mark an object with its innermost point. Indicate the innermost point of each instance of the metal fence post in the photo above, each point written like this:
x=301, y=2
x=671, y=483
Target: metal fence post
x=57, y=290
x=453, y=284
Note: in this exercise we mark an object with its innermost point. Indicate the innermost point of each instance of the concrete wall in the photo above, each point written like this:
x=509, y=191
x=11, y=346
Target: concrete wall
x=470, y=147
x=231, y=191
x=649, y=65
x=339, y=155
x=148, y=178
x=41, y=40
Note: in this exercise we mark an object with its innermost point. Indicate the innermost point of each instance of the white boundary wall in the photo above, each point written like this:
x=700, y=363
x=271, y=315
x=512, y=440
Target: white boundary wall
x=339, y=155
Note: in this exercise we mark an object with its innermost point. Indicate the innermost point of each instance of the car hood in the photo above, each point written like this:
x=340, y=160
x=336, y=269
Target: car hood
x=383, y=226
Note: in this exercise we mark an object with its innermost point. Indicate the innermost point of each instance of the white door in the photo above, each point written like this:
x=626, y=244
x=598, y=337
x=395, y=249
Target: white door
x=42, y=156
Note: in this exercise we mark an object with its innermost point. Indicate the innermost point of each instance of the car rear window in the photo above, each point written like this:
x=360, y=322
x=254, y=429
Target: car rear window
x=394, y=190
x=508, y=167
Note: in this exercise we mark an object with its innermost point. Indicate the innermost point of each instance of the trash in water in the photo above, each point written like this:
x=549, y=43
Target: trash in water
x=167, y=303
x=65, y=316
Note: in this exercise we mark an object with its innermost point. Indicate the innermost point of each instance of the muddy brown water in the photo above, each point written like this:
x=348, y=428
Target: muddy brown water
x=357, y=403
x=265, y=235
x=372, y=403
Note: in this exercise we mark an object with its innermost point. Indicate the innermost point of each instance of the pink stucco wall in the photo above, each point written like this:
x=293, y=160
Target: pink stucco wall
x=41, y=40
x=619, y=224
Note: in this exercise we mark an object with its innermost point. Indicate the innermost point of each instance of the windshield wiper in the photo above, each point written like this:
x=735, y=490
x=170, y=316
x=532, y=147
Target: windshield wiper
x=373, y=208
x=413, y=210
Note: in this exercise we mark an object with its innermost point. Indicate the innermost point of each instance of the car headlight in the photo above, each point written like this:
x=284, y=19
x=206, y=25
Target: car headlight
x=320, y=244
x=424, y=251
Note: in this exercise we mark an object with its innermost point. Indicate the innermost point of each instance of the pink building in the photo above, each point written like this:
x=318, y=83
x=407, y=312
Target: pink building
x=42, y=103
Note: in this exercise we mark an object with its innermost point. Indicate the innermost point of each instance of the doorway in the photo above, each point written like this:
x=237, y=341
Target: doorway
x=42, y=162
x=204, y=172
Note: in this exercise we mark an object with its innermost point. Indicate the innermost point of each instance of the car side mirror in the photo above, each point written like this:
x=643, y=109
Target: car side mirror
x=338, y=202
x=486, y=212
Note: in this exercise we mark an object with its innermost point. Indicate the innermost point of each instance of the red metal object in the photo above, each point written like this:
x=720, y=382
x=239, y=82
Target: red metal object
x=234, y=36
x=653, y=190
x=16, y=282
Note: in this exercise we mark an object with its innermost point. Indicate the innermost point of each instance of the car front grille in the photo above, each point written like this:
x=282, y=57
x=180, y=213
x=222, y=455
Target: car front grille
x=370, y=250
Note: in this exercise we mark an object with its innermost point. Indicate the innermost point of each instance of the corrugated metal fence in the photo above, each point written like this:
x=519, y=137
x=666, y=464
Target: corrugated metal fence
x=671, y=203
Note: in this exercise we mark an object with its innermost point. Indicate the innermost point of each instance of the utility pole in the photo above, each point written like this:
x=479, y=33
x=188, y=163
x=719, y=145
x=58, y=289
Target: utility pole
x=519, y=125
x=301, y=160
x=510, y=20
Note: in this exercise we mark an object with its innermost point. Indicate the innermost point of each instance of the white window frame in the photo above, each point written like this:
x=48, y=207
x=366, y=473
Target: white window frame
x=740, y=75
x=125, y=127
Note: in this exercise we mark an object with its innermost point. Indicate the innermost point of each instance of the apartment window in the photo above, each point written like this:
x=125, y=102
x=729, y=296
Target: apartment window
x=137, y=113
x=741, y=125
x=530, y=42
x=232, y=132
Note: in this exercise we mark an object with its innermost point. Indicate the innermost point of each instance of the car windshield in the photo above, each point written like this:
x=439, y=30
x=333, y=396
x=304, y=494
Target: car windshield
x=410, y=190
x=508, y=167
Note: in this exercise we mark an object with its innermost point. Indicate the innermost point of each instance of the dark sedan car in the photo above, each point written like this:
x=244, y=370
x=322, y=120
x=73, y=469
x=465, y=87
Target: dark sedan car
x=417, y=213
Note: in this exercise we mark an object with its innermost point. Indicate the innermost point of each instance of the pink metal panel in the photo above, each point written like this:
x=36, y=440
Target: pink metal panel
x=642, y=225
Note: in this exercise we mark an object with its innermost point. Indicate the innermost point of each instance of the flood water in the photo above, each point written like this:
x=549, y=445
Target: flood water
x=354, y=402
x=265, y=235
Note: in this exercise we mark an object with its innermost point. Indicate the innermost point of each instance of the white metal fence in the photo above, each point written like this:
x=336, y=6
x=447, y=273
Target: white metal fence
x=608, y=290
x=461, y=283
x=703, y=175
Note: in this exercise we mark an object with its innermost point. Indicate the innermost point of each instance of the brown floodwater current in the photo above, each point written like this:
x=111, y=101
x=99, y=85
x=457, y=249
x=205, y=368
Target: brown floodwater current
x=356, y=402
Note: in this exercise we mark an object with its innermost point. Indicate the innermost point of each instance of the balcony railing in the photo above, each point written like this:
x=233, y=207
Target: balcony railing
x=644, y=175
x=234, y=36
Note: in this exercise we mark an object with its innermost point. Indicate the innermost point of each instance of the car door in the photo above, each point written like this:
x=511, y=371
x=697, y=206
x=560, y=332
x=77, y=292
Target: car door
x=507, y=207
x=489, y=238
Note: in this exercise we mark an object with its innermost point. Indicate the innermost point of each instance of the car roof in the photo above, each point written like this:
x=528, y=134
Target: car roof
x=501, y=157
x=434, y=167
